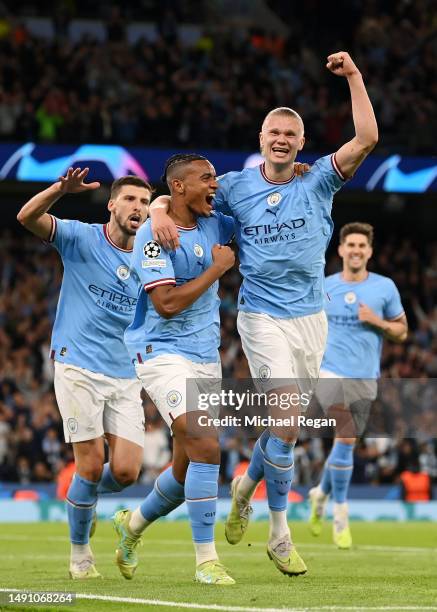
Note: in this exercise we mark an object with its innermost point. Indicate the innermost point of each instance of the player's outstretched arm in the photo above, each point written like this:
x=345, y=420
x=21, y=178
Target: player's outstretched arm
x=34, y=215
x=352, y=154
x=395, y=330
x=170, y=301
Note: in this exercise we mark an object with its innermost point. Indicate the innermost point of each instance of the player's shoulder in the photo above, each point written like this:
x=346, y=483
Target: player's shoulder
x=235, y=177
x=325, y=165
x=381, y=280
x=80, y=225
x=75, y=229
x=144, y=231
x=229, y=177
x=211, y=223
x=333, y=279
x=216, y=217
x=144, y=242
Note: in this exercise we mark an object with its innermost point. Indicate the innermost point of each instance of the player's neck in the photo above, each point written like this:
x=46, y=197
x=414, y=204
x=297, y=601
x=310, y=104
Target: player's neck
x=278, y=173
x=181, y=215
x=354, y=277
x=120, y=238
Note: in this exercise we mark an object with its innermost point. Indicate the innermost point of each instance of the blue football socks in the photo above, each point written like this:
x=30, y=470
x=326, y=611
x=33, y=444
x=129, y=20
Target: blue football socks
x=341, y=465
x=325, y=481
x=278, y=471
x=255, y=471
x=107, y=482
x=201, y=488
x=167, y=494
x=81, y=502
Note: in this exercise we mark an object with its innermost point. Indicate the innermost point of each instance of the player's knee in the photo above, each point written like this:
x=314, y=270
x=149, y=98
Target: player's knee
x=125, y=475
x=91, y=472
x=203, y=450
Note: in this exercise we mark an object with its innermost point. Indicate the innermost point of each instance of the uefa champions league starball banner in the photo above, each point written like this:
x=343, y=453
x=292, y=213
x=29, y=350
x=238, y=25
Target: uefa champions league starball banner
x=45, y=163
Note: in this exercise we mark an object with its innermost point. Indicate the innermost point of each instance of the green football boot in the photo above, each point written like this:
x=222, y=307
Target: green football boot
x=84, y=570
x=238, y=518
x=125, y=556
x=318, y=506
x=341, y=532
x=286, y=558
x=213, y=572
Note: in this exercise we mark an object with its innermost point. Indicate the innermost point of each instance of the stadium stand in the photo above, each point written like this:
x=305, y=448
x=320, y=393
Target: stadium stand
x=202, y=90
x=209, y=88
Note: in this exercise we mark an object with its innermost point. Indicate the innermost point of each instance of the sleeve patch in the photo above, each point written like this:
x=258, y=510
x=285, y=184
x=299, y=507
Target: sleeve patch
x=153, y=263
x=151, y=249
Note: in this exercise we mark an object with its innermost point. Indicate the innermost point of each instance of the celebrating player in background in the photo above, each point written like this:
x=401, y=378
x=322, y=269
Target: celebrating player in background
x=283, y=228
x=175, y=336
x=363, y=308
x=95, y=384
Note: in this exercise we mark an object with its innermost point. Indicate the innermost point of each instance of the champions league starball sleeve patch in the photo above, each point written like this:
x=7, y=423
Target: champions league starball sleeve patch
x=152, y=249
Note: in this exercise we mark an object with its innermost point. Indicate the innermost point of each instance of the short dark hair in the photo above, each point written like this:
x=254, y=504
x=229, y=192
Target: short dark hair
x=178, y=160
x=357, y=228
x=130, y=179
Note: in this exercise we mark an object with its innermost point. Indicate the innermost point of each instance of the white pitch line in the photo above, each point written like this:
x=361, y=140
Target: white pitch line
x=195, y=606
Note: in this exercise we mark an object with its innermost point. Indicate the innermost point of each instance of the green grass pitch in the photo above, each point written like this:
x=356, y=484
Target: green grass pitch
x=392, y=566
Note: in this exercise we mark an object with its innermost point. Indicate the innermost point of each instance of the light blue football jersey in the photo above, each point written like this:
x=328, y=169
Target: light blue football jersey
x=97, y=300
x=282, y=230
x=354, y=348
x=194, y=333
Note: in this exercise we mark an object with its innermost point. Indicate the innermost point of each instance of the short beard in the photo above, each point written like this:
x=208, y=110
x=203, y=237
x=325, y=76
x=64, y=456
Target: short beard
x=354, y=269
x=124, y=227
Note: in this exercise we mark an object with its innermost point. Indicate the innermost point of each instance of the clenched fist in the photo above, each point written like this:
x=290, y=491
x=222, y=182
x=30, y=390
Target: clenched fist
x=341, y=64
x=223, y=257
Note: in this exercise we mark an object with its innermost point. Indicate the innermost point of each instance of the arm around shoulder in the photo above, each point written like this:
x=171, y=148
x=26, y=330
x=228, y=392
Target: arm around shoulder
x=163, y=227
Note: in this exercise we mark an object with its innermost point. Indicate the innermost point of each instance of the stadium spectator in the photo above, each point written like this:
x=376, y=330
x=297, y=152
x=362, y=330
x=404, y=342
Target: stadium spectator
x=58, y=90
x=416, y=486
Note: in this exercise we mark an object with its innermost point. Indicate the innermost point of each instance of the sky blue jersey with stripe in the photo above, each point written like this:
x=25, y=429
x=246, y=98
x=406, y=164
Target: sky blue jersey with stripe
x=97, y=299
x=354, y=348
x=194, y=333
x=282, y=230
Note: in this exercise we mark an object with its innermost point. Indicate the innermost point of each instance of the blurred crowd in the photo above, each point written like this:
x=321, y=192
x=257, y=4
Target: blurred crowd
x=31, y=439
x=214, y=89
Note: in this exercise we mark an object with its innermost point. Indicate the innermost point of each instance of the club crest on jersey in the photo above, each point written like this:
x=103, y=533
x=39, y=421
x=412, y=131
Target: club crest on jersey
x=350, y=297
x=123, y=272
x=264, y=372
x=174, y=398
x=274, y=198
x=152, y=249
x=72, y=425
x=198, y=251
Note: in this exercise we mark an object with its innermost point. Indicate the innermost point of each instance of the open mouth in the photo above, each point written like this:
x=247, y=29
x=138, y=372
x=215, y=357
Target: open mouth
x=209, y=199
x=280, y=150
x=135, y=220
